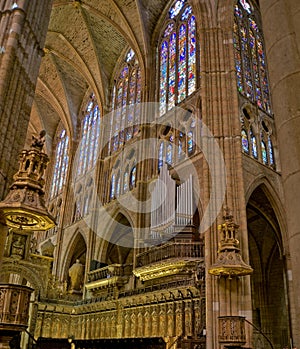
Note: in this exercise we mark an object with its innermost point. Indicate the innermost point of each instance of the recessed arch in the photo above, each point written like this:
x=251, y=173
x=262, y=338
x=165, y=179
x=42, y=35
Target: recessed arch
x=267, y=258
x=77, y=250
x=118, y=242
x=273, y=197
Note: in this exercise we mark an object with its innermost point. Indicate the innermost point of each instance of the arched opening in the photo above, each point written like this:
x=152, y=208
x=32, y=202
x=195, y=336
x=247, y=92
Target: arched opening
x=268, y=286
x=121, y=242
x=77, y=256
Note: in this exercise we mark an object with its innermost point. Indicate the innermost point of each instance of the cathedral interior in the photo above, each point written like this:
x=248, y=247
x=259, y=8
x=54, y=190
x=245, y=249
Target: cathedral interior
x=149, y=174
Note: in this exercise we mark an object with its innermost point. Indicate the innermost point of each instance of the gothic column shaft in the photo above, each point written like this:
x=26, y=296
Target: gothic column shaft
x=23, y=31
x=220, y=115
x=283, y=47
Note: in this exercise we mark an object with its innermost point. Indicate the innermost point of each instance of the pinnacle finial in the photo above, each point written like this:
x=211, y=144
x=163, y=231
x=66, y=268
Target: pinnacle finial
x=227, y=216
x=38, y=142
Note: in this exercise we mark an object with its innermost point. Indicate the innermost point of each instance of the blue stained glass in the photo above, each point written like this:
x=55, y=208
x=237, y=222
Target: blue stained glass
x=253, y=145
x=137, y=103
x=238, y=12
x=264, y=153
x=186, y=13
x=246, y=5
x=192, y=55
x=182, y=63
x=253, y=24
x=250, y=64
x=161, y=155
x=124, y=72
x=270, y=148
x=130, y=55
x=90, y=106
x=245, y=142
x=169, y=29
x=190, y=146
x=172, y=71
x=88, y=151
x=163, y=77
x=61, y=165
x=174, y=11
x=177, y=58
x=169, y=155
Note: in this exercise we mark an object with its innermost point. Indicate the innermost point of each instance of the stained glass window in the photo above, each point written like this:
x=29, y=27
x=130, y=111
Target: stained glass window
x=190, y=146
x=264, y=153
x=270, y=148
x=180, y=151
x=90, y=133
x=118, y=184
x=253, y=145
x=177, y=57
x=126, y=101
x=61, y=165
x=161, y=155
x=176, y=8
x=86, y=205
x=245, y=142
x=125, y=181
x=169, y=155
x=132, y=177
x=113, y=186
x=250, y=61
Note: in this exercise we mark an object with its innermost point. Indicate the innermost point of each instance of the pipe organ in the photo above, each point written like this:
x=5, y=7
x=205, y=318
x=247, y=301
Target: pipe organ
x=171, y=206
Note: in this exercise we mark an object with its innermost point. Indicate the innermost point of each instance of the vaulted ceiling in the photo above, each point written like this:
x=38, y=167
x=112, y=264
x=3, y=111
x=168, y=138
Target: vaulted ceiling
x=85, y=40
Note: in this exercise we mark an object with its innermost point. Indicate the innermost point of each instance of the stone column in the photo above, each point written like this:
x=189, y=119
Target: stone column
x=220, y=113
x=23, y=28
x=281, y=24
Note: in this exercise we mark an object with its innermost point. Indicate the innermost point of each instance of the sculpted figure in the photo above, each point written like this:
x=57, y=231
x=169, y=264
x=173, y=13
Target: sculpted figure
x=17, y=248
x=76, y=274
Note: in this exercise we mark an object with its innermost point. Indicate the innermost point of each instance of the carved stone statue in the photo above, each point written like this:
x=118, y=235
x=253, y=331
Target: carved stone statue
x=76, y=274
x=18, y=248
x=47, y=249
x=38, y=142
x=33, y=245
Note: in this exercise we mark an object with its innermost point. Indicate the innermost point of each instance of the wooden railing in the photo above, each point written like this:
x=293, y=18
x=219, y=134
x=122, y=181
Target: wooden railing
x=109, y=272
x=14, y=309
x=180, y=250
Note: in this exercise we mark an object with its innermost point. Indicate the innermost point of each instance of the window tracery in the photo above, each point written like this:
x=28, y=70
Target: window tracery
x=177, y=57
x=126, y=101
x=257, y=136
x=253, y=84
x=60, y=165
x=90, y=133
x=176, y=145
x=249, y=52
x=123, y=179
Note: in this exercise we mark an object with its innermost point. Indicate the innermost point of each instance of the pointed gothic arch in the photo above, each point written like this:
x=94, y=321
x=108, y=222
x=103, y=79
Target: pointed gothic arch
x=267, y=258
